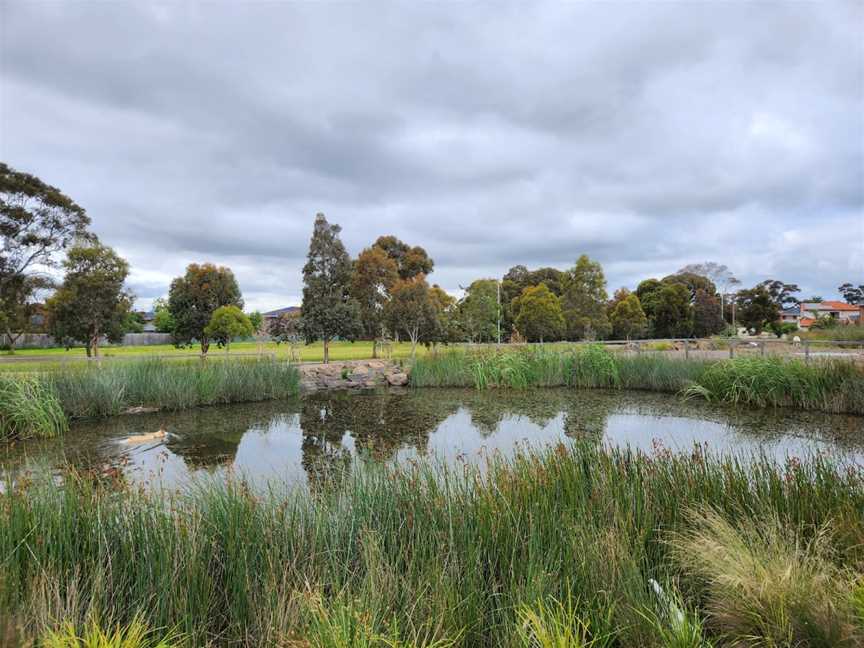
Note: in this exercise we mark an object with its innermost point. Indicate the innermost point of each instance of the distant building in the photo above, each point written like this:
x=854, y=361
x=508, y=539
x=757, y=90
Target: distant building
x=844, y=313
x=271, y=316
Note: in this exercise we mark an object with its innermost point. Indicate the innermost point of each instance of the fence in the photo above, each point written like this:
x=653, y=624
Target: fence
x=43, y=341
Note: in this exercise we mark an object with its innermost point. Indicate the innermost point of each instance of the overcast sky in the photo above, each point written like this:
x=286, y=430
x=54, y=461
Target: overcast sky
x=645, y=135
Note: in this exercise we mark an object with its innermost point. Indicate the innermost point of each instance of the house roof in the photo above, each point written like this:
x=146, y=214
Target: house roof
x=837, y=305
x=279, y=312
x=828, y=306
x=793, y=310
x=806, y=321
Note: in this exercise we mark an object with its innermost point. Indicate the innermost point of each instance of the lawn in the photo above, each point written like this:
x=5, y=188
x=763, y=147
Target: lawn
x=47, y=359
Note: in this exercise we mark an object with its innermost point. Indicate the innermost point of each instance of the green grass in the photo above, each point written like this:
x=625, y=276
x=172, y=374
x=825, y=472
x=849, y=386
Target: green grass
x=845, y=333
x=824, y=385
x=544, y=549
x=58, y=358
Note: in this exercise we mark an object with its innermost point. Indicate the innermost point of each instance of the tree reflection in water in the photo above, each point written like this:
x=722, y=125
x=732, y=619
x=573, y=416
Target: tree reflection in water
x=314, y=437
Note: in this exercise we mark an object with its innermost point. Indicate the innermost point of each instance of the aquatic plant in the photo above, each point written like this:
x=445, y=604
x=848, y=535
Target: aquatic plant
x=103, y=391
x=28, y=408
x=424, y=554
x=825, y=385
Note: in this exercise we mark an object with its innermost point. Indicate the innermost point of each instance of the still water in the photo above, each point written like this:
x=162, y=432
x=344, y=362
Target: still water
x=296, y=441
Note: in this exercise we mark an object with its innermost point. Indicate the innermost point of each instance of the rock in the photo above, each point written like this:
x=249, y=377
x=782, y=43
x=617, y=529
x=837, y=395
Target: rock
x=360, y=371
x=397, y=379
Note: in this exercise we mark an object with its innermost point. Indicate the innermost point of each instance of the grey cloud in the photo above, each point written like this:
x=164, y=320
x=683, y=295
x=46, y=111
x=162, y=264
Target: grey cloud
x=490, y=134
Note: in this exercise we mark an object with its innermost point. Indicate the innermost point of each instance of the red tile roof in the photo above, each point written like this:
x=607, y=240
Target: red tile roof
x=837, y=305
x=806, y=321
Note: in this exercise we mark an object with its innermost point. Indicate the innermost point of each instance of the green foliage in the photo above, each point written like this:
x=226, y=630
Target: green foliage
x=781, y=293
x=478, y=311
x=707, y=318
x=228, y=322
x=756, y=308
x=373, y=275
x=29, y=409
x=286, y=328
x=673, y=314
x=91, y=302
x=163, y=320
x=470, y=555
x=256, y=320
x=328, y=309
x=780, y=329
x=845, y=333
x=194, y=297
x=628, y=319
x=410, y=261
x=36, y=221
x=413, y=311
x=584, y=301
x=538, y=314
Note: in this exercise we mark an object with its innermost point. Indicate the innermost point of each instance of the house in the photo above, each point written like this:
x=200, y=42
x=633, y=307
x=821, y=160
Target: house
x=790, y=315
x=844, y=313
x=272, y=316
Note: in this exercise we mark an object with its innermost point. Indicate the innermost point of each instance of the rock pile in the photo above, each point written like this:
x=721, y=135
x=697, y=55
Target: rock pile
x=360, y=374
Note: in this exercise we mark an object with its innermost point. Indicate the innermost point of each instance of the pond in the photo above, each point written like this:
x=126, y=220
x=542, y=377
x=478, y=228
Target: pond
x=297, y=441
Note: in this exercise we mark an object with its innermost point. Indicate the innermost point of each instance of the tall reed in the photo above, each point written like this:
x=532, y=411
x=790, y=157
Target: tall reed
x=28, y=408
x=825, y=385
x=419, y=555
x=103, y=391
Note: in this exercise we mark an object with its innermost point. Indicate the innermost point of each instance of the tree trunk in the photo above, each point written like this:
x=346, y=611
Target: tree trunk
x=205, y=346
x=94, y=343
x=374, y=349
x=326, y=351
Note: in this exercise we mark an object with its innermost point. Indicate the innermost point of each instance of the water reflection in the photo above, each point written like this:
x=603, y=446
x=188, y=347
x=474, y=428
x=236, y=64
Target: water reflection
x=303, y=440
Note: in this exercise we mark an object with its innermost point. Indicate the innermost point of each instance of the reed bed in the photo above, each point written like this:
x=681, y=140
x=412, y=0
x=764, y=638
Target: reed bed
x=172, y=385
x=573, y=546
x=28, y=408
x=826, y=385
x=42, y=405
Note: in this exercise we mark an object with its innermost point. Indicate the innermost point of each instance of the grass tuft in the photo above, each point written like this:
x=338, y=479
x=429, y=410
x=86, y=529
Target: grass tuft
x=29, y=408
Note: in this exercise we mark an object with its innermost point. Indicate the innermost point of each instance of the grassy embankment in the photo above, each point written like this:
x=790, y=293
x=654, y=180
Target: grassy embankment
x=830, y=386
x=43, y=404
x=580, y=545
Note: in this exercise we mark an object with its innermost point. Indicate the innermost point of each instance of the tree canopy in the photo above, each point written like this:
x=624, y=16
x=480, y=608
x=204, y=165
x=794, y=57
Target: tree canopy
x=538, y=314
x=584, y=301
x=194, y=297
x=36, y=221
x=478, y=311
x=413, y=310
x=627, y=318
x=328, y=309
x=757, y=308
x=228, y=322
x=410, y=261
x=852, y=294
x=91, y=302
x=374, y=273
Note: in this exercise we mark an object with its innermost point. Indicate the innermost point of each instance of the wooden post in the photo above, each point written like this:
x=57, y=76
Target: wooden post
x=762, y=348
x=732, y=344
x=638, y=347
x=686, y=349
x=806, y=350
